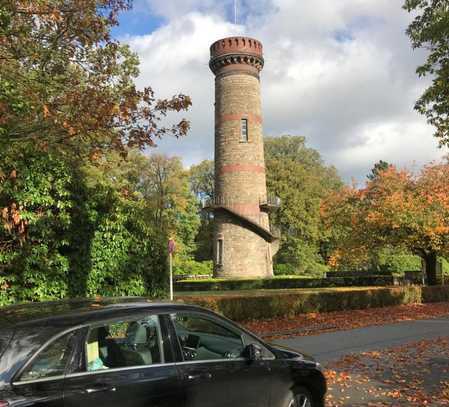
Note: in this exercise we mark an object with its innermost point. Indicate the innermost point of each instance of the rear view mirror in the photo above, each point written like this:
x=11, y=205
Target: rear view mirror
x=253, y=352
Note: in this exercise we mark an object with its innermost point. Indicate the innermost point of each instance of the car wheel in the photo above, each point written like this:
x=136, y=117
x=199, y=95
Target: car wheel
x=301, y=397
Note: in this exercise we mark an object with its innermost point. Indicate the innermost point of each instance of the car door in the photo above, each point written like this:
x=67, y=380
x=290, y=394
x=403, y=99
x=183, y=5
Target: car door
x=40, y=382
x=213, y=368
x=128, y=363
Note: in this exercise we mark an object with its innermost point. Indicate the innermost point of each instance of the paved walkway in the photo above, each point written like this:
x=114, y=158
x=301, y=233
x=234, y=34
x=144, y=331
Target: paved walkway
x=330, y=346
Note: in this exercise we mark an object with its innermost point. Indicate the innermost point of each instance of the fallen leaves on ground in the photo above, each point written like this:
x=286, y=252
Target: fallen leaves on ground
x=416, y=374
x=316, y=323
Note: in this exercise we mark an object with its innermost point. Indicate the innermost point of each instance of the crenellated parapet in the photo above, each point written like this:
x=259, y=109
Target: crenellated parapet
x=236, y=44
x=236, y=55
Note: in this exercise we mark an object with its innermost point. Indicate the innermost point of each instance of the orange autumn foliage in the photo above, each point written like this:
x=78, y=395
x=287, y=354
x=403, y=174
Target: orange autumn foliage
x=395, y=209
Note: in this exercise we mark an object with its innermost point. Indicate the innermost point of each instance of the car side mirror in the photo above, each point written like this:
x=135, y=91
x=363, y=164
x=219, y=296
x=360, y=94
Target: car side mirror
x=253, y=352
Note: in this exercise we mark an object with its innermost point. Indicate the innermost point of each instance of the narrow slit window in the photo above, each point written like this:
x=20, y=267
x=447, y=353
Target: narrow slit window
x=220, y=251
x=244, y=130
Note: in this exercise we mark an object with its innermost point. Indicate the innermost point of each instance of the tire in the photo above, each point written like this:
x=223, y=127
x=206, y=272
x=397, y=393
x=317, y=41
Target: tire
x=300, y=397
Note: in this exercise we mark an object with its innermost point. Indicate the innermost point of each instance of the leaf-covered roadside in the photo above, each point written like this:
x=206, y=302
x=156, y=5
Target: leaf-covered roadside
x=316, y=323
x=416, y=374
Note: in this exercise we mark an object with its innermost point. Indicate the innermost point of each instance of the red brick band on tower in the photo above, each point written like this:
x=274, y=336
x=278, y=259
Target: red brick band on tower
x=243, y=242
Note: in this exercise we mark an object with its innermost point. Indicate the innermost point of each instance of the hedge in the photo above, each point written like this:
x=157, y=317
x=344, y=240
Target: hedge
x=358, y=273
x=263, y=304
x=439, y=293
x=286, y=282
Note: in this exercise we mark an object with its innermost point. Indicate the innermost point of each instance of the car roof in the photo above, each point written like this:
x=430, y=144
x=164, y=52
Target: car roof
x=73, y=312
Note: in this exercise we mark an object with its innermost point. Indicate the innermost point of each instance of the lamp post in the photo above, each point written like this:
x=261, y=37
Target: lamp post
x=171, y=250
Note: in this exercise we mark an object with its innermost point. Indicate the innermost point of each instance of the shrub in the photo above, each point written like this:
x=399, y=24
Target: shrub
x=284, y=269
x=396, y=261
x=435, y=294
x=259, y=305
x=32, y=265
x=283, y=283
x=445, y=264
x=192, y=267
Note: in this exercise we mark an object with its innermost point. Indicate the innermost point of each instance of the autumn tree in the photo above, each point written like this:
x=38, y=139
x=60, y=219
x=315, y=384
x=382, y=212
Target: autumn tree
x=65, y=83
x=396, y=209
x=68, y=104
x=297, y=175
x=430, y=30
x=67, y=88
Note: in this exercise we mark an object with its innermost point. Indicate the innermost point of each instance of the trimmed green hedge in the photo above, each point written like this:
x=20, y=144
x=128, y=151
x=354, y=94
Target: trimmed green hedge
x=439, y=293
x=262, y=304
x=285, y=282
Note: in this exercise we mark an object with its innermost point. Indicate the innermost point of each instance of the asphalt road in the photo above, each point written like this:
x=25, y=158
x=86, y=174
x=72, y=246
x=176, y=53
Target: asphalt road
x=331, y=346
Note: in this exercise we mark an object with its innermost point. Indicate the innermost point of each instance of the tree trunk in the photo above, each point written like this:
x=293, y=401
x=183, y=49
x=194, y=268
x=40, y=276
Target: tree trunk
x=430, y=260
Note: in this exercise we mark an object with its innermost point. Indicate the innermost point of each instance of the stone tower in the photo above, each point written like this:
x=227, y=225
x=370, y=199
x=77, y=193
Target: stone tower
x=243, y=242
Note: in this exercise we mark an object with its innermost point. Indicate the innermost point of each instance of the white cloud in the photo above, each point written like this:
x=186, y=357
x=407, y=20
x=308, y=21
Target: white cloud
x=386, y=141
x=341, y=73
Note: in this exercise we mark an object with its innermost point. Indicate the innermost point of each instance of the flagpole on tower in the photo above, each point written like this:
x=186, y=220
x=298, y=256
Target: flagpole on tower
x=235, y=12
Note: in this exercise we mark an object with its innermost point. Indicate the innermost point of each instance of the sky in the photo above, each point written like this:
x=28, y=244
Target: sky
x=341, y=73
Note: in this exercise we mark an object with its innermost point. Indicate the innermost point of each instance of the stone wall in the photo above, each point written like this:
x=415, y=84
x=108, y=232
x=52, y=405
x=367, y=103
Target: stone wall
x=246, y=254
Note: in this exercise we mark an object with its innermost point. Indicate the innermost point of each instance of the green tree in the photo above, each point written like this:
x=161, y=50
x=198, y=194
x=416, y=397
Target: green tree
x=160, y=182
x=379, y=167
x=430, y=30
x=202, y=179
x=297, y=175
x=165, y=184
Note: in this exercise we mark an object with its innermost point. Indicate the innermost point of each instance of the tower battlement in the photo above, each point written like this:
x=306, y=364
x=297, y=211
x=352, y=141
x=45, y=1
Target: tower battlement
x=243, y=53
x=236, y=44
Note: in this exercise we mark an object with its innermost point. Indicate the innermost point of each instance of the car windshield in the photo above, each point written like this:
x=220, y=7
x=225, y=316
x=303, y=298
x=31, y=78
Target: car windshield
x=5, y=337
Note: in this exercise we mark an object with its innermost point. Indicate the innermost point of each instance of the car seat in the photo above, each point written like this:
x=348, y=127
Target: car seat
x=138, y=342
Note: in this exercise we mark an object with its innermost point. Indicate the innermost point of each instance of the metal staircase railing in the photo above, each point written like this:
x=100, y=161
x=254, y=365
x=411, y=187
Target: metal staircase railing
x=266, y=202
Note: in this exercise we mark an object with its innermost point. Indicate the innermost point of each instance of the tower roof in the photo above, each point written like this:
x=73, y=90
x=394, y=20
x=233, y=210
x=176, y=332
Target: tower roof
x=244, y=51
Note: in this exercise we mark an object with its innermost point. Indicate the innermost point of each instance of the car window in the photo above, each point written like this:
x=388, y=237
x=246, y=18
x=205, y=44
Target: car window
x=125, y=344
x=202, y=338
x=52, y=360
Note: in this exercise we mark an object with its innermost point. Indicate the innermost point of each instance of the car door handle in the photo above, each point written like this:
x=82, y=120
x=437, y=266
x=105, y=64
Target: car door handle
x=199, y=376
x=98, y=389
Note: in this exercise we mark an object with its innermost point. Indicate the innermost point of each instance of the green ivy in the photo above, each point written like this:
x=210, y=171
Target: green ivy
x=81, y=238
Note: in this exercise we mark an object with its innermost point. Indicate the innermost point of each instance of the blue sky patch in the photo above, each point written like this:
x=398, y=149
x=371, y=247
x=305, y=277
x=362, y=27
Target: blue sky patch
x=137, y=21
